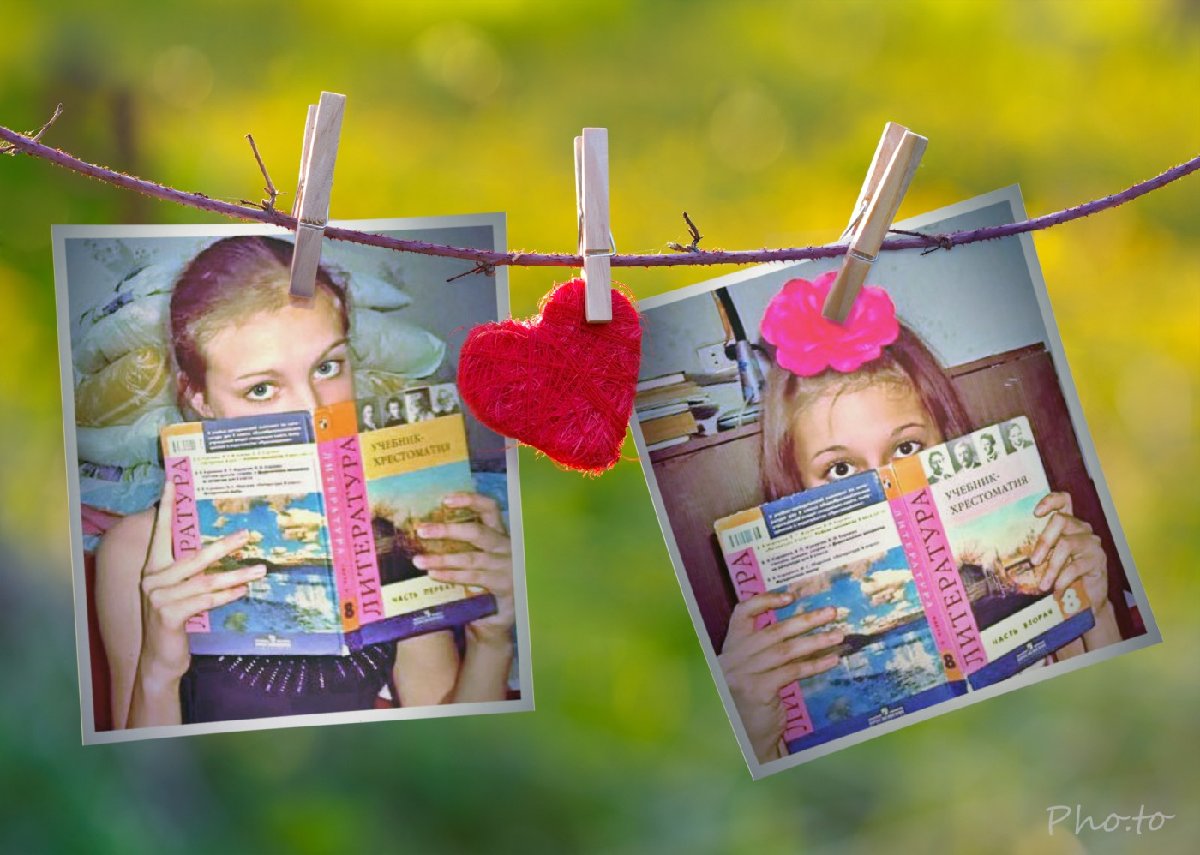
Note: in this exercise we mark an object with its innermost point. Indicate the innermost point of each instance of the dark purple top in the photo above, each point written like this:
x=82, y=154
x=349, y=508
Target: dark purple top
x=224, y=688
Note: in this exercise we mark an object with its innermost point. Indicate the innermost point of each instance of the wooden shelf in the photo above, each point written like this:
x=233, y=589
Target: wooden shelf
x=700, y=443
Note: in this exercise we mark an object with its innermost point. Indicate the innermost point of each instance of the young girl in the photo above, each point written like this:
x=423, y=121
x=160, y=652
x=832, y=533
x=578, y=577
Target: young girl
x=241, y=346
x=842, y=399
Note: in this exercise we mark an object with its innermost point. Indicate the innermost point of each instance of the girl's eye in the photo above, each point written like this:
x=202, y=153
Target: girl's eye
x=841, y=469
x=261, y=392
x=907, y=448
x=329, y=368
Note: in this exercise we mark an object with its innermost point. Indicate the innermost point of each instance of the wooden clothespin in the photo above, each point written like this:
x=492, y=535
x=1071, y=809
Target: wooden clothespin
x=311, y=208
x=596, y=243
x=892, y=169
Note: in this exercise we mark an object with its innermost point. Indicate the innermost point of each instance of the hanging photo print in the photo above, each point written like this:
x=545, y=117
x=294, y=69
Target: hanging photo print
x=279, y=507
x=878, y=521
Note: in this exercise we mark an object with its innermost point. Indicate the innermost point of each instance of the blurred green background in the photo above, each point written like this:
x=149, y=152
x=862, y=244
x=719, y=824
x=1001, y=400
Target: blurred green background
x=759, y=119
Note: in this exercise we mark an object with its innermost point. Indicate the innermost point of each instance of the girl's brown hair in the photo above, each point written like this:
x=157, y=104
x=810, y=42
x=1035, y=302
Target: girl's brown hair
x=905, y=361
x=224, y=284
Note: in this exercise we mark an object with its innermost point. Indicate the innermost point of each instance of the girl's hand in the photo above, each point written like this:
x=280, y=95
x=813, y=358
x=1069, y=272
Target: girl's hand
x=758, y=663
x=1067, y=550
x=489, y=566
x=173, y=591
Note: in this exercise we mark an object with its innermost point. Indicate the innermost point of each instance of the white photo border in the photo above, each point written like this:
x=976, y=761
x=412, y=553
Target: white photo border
x=525, y=703
x=1011, y=195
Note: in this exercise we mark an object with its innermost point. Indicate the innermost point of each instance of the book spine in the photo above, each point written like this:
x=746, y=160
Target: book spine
x=940, y=567
x=339, y=542
x=930, y=602
x=748, y=581
x=361, y=536
x=444, y=616
x=185, y=524
x=668, y=427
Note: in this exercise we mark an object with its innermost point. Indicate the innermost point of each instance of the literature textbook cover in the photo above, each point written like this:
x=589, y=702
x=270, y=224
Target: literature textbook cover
x=257, y=473
x=332, y=512
x=381, y=483
x=838, y=545
x=970, y=504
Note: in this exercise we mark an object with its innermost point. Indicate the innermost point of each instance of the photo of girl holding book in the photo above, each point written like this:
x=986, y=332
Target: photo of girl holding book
x=240, y=346
x=846, y=399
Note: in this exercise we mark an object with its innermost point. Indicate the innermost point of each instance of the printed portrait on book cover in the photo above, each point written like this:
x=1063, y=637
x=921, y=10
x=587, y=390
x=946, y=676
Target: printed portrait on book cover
x=938, y=467
x=990, y=447
x=937, y=425
x=964, y=455
x=208, y=585
x=393, y=412
x=418, y=405
x=445, y=399
x=1014, y=435
x=368, y=418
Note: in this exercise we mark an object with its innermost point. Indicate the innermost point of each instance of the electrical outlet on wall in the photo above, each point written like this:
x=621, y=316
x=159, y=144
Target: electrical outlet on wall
x=713, y=359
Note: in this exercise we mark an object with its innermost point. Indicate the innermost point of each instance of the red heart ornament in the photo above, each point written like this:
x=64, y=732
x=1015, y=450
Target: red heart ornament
x=556, y=382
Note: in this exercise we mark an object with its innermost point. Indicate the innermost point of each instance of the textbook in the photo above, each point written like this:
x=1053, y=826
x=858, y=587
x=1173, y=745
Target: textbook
x=928, y=565
x=332, y=511
x=965, y=510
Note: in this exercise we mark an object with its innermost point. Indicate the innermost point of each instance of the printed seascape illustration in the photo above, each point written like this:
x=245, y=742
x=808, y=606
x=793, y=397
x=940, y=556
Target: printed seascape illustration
x=888, y=652
x=287, y=535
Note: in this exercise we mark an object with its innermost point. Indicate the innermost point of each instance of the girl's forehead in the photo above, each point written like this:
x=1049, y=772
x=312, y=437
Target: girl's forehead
x=883, y=388
x=277, y=334
x=854, y=412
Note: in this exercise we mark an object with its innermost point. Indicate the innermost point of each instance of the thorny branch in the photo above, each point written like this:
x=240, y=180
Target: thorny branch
x=267, y=204
x=940, y=241
x=29, y=144
x=482, y=267
x=694, y=246
x=12, y=148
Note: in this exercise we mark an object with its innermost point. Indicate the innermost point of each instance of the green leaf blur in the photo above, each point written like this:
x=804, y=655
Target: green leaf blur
x=759, y=119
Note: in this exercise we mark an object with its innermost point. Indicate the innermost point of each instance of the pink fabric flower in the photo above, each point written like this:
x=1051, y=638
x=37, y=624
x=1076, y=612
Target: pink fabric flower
x=807, y=342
